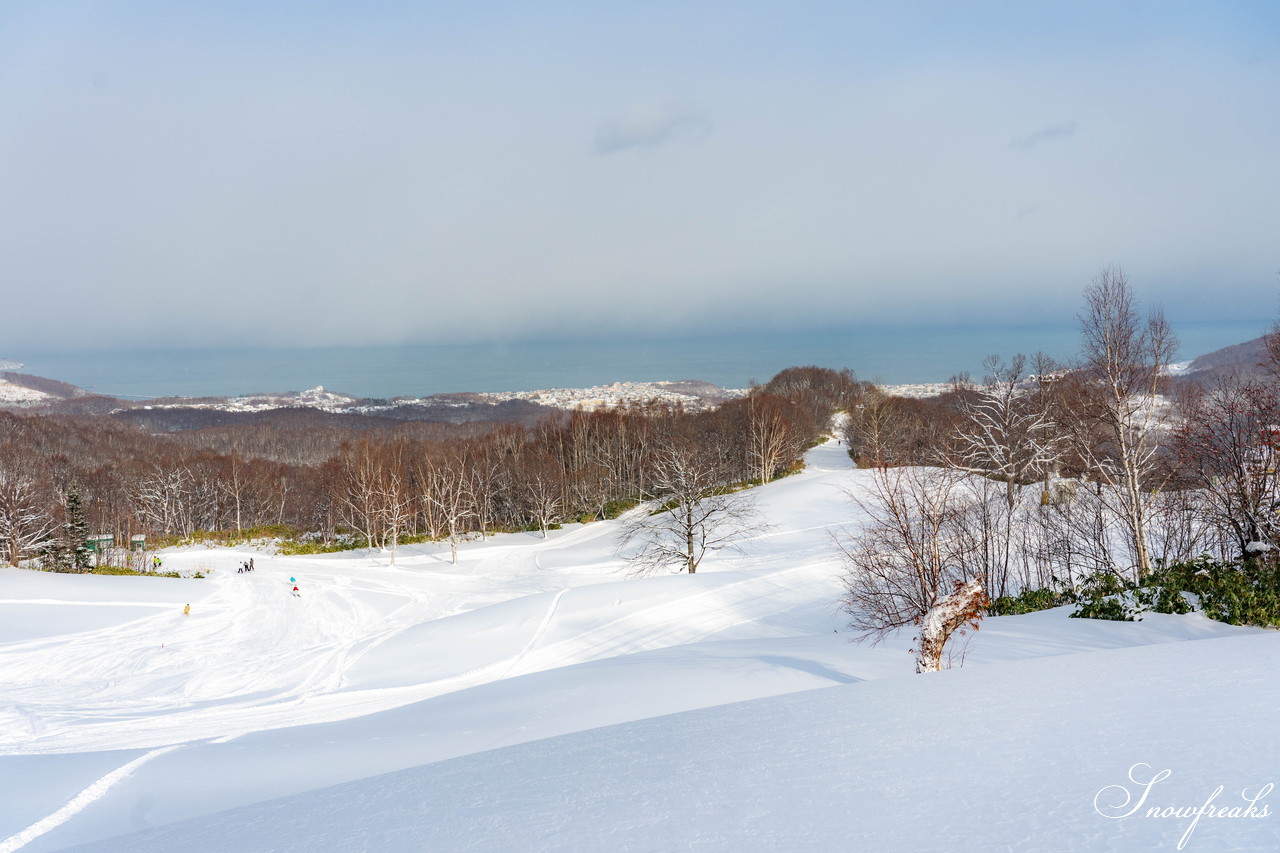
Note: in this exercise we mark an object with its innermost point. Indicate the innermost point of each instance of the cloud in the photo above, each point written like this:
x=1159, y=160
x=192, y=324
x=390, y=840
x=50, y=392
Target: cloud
x=1060, y=130
x=652, y=125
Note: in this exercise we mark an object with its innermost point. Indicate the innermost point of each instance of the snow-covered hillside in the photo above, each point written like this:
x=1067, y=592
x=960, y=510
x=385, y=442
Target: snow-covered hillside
x=12, y=394
x=516, y=701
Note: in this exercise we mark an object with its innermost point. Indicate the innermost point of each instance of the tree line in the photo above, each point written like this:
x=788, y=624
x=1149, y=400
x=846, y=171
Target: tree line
x=380, y=485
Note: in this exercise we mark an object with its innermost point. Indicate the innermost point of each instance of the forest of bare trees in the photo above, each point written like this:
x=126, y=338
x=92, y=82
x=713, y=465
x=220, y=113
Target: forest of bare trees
x=378, y=485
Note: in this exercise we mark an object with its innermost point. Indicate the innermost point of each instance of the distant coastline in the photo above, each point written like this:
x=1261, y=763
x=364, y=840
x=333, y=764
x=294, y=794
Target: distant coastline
x=893, y=356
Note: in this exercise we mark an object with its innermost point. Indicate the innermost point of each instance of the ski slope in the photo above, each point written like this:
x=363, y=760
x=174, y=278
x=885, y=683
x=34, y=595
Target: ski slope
x=517, y=701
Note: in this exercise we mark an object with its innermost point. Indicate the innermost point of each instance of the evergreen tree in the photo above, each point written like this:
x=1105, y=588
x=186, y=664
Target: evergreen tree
x=76, y=534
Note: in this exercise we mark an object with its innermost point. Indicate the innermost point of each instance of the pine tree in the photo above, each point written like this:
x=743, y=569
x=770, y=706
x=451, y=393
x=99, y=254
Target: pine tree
x=76, y=534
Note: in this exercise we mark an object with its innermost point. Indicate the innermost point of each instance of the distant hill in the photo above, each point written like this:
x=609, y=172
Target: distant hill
x=1244, y=360
x=21, y=391
x=51, y=387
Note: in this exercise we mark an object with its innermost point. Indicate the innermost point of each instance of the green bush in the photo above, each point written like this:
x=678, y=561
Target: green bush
x=1114, y=609
x=617, y=506
x=1029, y=601
x=1246, y=593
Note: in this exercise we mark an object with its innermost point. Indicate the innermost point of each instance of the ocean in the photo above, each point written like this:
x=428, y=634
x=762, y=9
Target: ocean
x=888, y=355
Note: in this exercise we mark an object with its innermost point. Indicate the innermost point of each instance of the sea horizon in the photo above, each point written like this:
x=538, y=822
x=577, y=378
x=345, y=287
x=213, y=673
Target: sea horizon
x=889, y=355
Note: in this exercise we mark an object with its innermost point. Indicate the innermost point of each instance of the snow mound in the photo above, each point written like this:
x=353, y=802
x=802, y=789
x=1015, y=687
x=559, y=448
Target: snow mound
x=984, y=759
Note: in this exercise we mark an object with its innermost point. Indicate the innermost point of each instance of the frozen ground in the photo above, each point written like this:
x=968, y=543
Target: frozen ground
x=516, y=701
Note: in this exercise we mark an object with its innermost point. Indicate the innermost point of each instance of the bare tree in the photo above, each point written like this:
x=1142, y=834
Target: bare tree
x=1271, y=354
x=165, y=499
x=25, y=522
x=234, y=484
x=696, y=513
x=449, y=491
x=1230, y=440
x=872, y=427
x=395, y=499
x=909, y=557
x=1007, y=432
x=1124, y=360
x=543, y=485
x=772, y=439
x=360, y=492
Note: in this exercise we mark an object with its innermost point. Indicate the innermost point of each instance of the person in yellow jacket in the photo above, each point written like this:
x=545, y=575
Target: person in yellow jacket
x=186, y=611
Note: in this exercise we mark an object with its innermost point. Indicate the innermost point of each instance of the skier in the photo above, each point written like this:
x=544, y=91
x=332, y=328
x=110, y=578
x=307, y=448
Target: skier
x=251, y=564
x=186, y=611
x=296, y=594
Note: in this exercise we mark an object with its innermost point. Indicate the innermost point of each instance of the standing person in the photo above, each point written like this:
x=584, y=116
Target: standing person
x=186, y=611
x=251, y=564
x=296, y=594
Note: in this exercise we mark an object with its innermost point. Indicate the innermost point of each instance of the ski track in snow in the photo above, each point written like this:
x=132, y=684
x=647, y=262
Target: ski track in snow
x=79, y=802
x=538, y=634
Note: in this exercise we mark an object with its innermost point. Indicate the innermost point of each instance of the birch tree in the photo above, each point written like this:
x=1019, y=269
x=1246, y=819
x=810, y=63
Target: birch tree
x=772, y=439
x=1124, y=359
x=449, y=491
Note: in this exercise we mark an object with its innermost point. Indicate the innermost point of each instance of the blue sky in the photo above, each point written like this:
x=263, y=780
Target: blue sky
x=376, y=173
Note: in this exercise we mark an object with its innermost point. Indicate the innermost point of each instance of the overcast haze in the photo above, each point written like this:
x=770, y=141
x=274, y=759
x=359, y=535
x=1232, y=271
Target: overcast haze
x=376, y=173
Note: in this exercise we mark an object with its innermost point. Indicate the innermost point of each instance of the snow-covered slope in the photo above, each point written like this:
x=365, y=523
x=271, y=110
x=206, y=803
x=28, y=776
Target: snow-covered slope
x=516, y=701
x=1033, y=755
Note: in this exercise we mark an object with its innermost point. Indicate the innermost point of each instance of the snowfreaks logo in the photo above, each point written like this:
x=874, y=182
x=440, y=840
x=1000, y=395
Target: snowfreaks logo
x=1119, y=801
